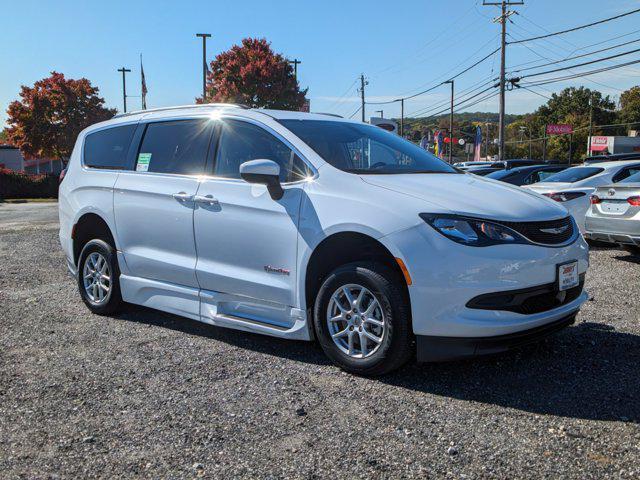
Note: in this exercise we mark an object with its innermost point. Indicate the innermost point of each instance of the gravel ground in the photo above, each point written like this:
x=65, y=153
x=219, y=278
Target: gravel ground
x=146, y=394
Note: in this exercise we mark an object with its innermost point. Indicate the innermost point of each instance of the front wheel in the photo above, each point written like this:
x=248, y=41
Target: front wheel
x=362, y=320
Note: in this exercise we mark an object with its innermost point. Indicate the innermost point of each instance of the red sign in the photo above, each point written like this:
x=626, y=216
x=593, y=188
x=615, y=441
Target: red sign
x=599, y=143
x=559, y=129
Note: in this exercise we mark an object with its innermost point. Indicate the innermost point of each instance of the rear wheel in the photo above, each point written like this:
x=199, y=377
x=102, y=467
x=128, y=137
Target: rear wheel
x=98, y=278
x=362, y=320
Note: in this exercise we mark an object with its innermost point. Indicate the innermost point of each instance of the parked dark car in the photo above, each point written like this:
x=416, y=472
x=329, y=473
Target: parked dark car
x=526, y=175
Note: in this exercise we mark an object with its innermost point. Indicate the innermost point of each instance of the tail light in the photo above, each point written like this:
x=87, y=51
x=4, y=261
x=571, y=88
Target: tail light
x=595, y=200
x=63, y=172
x=564, y=196
x=634, y=201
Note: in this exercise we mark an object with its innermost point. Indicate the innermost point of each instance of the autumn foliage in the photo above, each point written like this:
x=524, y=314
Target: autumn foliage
x=49, y=116
x=252, y=74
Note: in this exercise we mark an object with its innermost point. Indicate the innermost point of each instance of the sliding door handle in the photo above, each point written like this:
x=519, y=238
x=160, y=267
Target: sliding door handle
x=182, y=196
x=206, y=199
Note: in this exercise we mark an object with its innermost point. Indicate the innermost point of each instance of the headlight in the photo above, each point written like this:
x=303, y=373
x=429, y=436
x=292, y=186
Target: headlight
x=472, y=231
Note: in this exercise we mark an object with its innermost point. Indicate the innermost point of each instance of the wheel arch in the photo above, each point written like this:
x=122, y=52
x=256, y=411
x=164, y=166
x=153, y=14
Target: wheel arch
x=341, y=248
x=87, y=227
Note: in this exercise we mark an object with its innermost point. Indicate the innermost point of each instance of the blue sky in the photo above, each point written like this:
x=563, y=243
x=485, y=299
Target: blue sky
x=402, y=47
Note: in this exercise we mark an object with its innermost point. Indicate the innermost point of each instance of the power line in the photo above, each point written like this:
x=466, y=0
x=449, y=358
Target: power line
x=353, y=114
x=576, y=28
x=577, y=56
x=581, y=74
x=535, y=74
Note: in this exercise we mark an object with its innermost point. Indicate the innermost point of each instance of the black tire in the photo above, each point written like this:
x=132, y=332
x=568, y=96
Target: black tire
x=396, y=347
x=113, y=300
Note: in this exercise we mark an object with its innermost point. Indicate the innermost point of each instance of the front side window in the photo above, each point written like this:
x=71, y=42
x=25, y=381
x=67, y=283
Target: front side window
x=108, y=148
x=574, y=174
x=365, y=149
x=178, y=147
x=241, y=142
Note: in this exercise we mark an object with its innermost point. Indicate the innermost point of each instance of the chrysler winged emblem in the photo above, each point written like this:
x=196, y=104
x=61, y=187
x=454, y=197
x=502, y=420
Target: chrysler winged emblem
x=556, y=230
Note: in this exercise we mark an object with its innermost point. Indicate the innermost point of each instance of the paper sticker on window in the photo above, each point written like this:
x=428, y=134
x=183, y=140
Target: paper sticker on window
x=143, y=162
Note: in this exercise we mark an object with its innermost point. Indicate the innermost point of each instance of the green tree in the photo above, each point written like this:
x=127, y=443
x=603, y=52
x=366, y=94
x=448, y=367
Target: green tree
x=252, y=74
x=572, y=106
x=630, y=107
x=47, y=119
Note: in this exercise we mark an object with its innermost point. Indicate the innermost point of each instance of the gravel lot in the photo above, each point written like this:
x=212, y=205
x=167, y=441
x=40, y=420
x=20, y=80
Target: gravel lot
x=147, y=394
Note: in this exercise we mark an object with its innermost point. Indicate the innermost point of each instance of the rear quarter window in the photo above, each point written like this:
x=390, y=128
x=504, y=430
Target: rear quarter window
x=108, y=148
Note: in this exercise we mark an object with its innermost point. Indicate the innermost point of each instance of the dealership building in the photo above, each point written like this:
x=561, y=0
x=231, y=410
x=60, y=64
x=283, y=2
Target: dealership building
x=602, y=145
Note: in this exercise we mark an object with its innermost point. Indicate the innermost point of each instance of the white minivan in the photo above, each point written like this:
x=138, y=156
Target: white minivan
x=312, y=227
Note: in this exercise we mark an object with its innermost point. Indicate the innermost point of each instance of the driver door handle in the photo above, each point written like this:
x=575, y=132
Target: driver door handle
x=206, y=199
x=182, y=196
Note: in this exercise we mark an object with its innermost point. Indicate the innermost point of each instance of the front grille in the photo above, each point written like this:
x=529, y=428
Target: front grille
x=534, y=230
x=527, y=301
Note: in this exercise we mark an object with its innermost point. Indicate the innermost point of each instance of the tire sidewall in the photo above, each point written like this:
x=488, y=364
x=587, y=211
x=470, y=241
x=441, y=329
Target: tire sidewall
x=114, y=298
x=380, y=283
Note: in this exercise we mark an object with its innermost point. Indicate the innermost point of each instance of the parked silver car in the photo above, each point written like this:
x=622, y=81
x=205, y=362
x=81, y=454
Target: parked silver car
x=614, y=215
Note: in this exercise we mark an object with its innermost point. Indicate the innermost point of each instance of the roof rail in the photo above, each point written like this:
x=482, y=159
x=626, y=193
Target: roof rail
x=181, y=107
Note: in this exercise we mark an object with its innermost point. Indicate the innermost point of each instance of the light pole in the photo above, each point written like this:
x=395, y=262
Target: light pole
x=204, y=37
x=124, y=87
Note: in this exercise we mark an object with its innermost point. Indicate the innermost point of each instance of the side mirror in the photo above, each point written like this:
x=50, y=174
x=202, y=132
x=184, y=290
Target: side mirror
x=265, y=172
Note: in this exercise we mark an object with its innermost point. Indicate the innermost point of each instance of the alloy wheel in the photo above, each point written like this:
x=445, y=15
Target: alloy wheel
x=96, y=277
x=356, y=321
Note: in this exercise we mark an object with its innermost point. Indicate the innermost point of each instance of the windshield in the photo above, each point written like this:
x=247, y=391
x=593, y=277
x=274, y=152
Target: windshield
x=634, y=178
x=365, y=149
x=574, y=174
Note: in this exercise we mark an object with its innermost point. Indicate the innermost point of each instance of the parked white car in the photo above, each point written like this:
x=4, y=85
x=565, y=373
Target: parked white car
x=307, y=226
x=573, y=186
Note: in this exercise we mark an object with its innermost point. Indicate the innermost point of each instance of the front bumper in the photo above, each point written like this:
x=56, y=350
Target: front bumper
x=440, y=349
x=446, y=276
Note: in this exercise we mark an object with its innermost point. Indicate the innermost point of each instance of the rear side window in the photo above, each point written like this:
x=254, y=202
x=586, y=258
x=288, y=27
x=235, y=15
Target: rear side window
x=108, y=148
x=242, y=141
x=175, y=147
x=633, y=178
x=626, y=173
x=574, y=174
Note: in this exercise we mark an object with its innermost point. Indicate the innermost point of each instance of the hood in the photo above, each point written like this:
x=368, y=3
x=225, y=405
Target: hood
x=470, y=195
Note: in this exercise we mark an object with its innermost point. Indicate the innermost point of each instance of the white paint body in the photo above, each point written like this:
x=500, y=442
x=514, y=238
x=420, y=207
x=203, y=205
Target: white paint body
x=578, y=206
x=207, y=261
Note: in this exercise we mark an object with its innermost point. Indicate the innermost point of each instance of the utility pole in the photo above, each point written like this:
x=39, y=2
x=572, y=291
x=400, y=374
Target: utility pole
x=590, y=123
x=402, y=117
x=363, y=83
x=505, y=14
x=295, y=62
x=381, y=112
x=204, y=37
x=451, y=124
x=124, y=87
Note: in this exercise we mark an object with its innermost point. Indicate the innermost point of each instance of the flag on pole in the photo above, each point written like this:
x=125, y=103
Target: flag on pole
x=478, y=144
x=144, y=85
